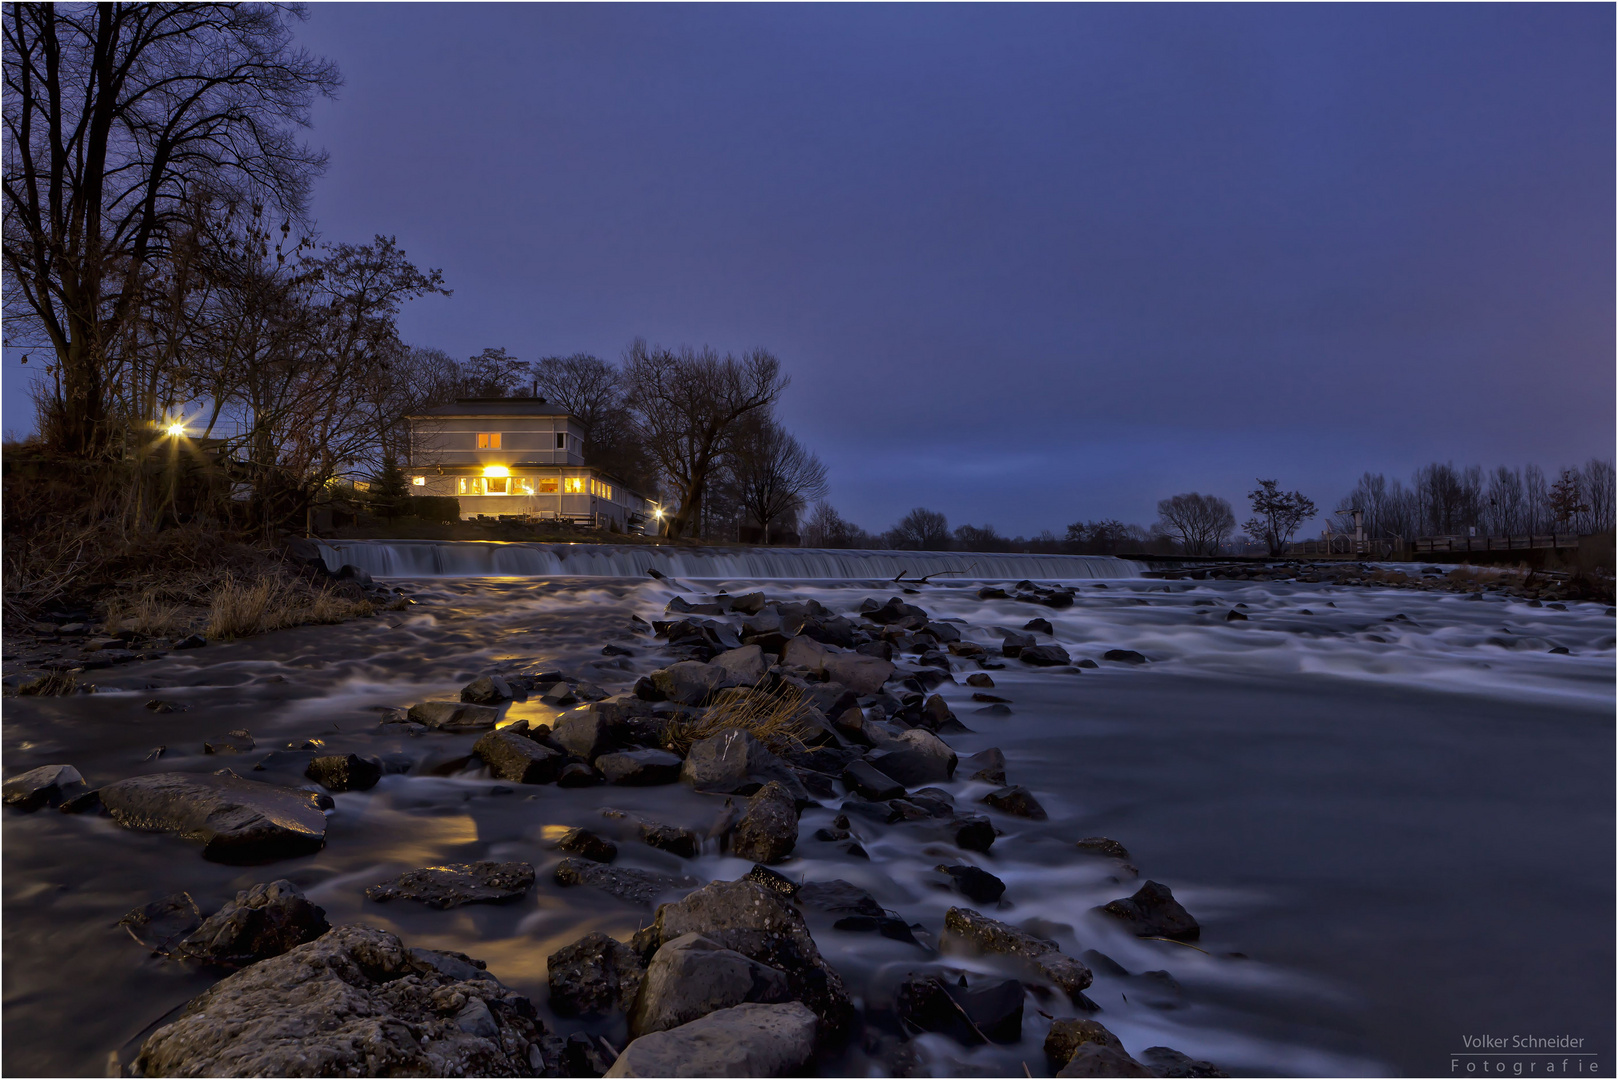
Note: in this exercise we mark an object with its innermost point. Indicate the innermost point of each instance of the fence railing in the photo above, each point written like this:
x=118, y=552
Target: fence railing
x=1343, y=544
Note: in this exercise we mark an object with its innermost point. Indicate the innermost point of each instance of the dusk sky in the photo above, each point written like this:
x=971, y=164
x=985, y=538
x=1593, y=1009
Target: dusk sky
x=1025, y=265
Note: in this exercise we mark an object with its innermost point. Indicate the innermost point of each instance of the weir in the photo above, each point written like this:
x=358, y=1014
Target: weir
x=480, y=558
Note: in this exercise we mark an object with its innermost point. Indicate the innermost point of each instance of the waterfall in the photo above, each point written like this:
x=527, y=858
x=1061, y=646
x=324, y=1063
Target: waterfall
x=479, y=558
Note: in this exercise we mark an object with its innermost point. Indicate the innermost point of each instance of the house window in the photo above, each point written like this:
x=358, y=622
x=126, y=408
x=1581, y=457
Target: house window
x=547, y=485
x=525, y=486
x=561, y=440
x=470, y=485
x=573, y=485
x=496, y=485
x=418, y=481
x=599, y=489
x=488, y=440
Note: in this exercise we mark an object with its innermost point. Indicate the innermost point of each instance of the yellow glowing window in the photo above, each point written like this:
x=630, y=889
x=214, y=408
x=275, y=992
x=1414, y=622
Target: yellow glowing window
x=547, y=485
x=469, y=485
x=488, y=440
x=573, y=485
x=525, y=486
x=418, y=481
x=495, y=485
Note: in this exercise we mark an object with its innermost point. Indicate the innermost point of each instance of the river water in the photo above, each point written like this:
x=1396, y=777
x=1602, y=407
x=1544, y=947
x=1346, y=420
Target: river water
x=1396, y=832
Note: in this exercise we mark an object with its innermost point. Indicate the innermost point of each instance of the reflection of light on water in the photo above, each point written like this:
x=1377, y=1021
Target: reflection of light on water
x=532, y=711
x=417, y=839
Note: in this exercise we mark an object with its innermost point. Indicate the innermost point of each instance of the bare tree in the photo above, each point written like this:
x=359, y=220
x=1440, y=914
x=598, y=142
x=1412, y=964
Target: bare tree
x=827, y=528
x=116, y=115
x=775, y=476
x=1201, y=522
x=686, y=405
x=921, y=530
x=1105, y=537
x=593, y=392
x=1276, y=515
x=1567, y=502
x=1598, y=489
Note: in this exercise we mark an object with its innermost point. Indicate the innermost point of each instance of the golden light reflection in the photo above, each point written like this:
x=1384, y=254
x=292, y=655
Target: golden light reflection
x=496, y=470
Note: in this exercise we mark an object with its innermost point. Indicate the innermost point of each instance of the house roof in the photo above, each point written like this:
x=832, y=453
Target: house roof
x=496, y=407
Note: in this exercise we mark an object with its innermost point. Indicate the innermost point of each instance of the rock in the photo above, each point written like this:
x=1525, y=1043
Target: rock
x=1100, y=845
x=454, y=715
x=692, y=976
x=867, y=781
x=976, y=885
x=1015, y=642
x=587, y=1055
x=924, y=1003
x=344, y=772
x=1016, y=800
x=1092, y=1059
x=639, y=768
x=588, y=732
x=734, y=761
x=239, y=741
x=989, y=592
x=912, y=768
x=264, y=921
x=1067, y=1035
x=974, y=833
x=886, y=925
x=238, y=821
x=455, y=884
x=576, y=775
x=1044, y=655
x=762, y=926
x=191, y=641
x=768, y=830
x=861, y=674
x=556, y=693
x=593, y=975
x=748, y=603
x=588, y=844
x=1235, y=616
x=671, y=838
x=991, y=766
x=162, y=924
x=690, y=682
x=1162, y=1061
x=742, y=667
x=487, y=690
x=518, y=758
x=994, y=1007
x=979, y=679
x=776, y=883
x=1153, y=912
x=635, y=886
x=745, y=1040
x=1123, y=656
x=1038, y=626
x=805, y=653
x=48, y=784
x=354, y=1002
x=993, y=936
x=838, y=897
x=935, y=713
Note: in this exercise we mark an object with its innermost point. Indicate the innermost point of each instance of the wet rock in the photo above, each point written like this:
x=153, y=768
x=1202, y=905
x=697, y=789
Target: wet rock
x=344, y=772
x=867, y=781
x=886, y=925
x=747, y=603
x=518, y=758
x=776, y=883
x=487, y=690
x=588, y=844
x=882, y=650
x=595, y=974
x=453, y=715
x=46, y=785
x=634, y=886
x=1015, y=642
x=734, y=761
x=1044, y=655
x=768, y=829
x=671, y=838
x=976, y=885
x=692, y=976
x=588, y=732
x=577, y=775
x=803, y=652
x=765, y=927
x=455, y=884
x=1123, y=656
x=1016, y=800
x=557, y=693
x=1162, y=1061
x=979, y=679
x=690, y=682
x=911, y=768
x=264, y=921
x=1068, y=1036
x=239, y=741
x=1153, y=912
x=238, y=821
x=587, y=1055
x=973, y=833
x=989, y=592
x=924, y=1003
x=742, y=667
x=990, y=766
x=935, y=714
x=354, y=1002
x=190, y=641
x=978, y=931
x=744, y=1040
x=1100, y=845
x=860, y=673
x=1093, y=1059
x=1038, y=626
x=639, y=768
x=838, y=897
x=162, y=924
x=1235, y=616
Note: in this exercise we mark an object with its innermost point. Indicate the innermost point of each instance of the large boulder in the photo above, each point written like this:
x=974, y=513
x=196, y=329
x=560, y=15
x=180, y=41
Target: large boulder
x=354, y=1002
x=861, y=674
x=626, y=883
x=1153, y=912
x=1163, y=1061
x=763, y=926
x=487, y=690
x=768, y=830
x=734, y=761
x=639, y=768
x=805, y=653
x=1086, y=1048
x=238, y=821
x=869, y=782
x=744, y=666
x=965, y=927
x=690, y=682
x=588, y=732
x=455, y=884
x=454, y=715
x=1044, y=655
x=989, y=1010
x=344, y=772
x=48, y=784
x=595, y=974
x=745, y=1040
x=691, y=977
x=518, y=758
x=1017, y=801
x=264, y=921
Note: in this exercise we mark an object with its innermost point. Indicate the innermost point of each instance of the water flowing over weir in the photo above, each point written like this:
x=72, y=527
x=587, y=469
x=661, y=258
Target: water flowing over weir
x=481, y=558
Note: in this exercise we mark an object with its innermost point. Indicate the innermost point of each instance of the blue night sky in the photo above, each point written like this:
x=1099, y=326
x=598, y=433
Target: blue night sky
x=1026, y=265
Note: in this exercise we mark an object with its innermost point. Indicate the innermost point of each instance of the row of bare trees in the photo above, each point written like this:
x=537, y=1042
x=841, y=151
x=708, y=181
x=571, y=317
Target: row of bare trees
x=1443, y=500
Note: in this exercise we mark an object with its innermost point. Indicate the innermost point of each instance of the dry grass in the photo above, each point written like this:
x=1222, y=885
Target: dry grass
x=148, y=615
x=778, y=719
x=51, y=684
x=272, y=602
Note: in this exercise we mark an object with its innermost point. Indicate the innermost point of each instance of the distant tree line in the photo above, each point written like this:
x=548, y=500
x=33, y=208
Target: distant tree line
x=1442, y=500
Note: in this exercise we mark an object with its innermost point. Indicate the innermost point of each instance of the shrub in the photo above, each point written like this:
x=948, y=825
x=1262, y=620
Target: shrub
x=435, y=507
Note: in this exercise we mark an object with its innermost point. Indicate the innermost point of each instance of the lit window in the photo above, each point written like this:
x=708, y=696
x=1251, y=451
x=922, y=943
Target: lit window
x=547, y=485
x=525, y=486
x=470, y=485
x=561, y=440
x=418, y=481
x=488, y=440
x=362, y=485
x=496, y=485
x=573, y=485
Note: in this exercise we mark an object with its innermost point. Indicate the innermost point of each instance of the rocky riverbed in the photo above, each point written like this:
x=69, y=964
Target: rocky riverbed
x=572, y=828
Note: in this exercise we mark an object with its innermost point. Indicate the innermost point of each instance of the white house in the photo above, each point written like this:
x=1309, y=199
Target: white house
x=517, y=456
